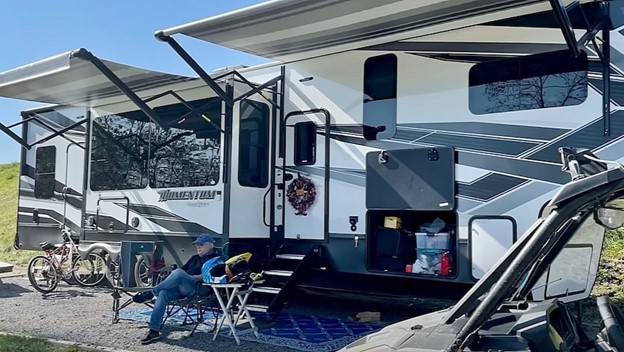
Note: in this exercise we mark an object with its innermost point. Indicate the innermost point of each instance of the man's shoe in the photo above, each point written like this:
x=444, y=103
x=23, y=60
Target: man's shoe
x=151, y=336
x=143, y=297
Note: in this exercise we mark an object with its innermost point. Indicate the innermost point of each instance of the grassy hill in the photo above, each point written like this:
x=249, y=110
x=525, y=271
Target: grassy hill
x=9, y=177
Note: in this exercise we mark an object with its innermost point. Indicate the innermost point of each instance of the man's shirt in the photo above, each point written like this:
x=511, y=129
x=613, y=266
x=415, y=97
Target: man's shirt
x=194, y=265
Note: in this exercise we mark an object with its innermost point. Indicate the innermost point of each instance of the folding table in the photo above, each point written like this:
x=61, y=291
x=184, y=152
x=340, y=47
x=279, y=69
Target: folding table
x=234, y=310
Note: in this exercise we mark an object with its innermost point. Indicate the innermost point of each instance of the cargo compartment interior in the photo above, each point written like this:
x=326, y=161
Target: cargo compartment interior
x=412, y=242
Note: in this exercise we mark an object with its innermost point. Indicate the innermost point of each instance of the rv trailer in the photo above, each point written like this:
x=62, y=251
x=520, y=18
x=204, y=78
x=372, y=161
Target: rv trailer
x=396, y=147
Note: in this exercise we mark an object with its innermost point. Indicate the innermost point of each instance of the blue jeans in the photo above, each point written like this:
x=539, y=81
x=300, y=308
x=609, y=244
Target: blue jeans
x=177, y=285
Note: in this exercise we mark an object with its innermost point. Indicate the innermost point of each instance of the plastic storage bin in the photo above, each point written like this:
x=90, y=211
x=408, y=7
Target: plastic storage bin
x=441, y=240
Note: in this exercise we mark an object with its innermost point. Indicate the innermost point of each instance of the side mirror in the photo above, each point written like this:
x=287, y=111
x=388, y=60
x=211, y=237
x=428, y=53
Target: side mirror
x=609, y=217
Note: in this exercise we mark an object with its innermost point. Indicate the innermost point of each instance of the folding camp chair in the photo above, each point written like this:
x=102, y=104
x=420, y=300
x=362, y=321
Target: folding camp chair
x=193, y=310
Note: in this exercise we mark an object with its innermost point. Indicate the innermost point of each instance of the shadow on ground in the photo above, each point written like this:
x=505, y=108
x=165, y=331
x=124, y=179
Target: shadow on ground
x=67, y=294
x=11, y=290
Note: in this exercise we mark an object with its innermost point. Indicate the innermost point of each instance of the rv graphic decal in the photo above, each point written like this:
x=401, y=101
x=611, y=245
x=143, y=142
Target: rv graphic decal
x=166, y=195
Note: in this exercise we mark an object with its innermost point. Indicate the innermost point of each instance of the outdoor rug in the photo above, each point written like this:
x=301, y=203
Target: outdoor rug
x=300, y=332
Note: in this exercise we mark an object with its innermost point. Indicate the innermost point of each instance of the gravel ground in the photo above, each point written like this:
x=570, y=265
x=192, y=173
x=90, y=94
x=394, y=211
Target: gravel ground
x=83, y=315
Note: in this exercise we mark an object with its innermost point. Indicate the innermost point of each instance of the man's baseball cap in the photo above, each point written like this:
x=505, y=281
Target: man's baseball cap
x=203, y=239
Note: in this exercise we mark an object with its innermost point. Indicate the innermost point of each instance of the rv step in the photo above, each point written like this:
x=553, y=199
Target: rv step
x=277, y=272
x=5, y=267
x=273, y=290
x=257, y=308
x=290, y=256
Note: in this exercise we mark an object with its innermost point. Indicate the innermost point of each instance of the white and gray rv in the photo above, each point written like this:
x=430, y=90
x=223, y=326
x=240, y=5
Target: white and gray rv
x=393, y=146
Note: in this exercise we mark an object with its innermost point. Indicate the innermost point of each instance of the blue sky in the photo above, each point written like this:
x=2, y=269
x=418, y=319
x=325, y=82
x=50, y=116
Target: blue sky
x=116, y=30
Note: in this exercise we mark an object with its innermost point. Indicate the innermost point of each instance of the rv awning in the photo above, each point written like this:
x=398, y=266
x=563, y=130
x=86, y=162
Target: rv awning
x=73, y=79
x=295, y=29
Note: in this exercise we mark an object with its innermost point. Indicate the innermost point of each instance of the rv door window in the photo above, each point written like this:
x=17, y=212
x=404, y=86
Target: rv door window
x=253, y=147
x=305, y=143
x=45, y=164
x=380, y=97
x=538, y=81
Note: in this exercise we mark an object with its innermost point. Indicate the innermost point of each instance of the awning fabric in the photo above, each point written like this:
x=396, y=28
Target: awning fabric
x=71, y=79
x=295, y=29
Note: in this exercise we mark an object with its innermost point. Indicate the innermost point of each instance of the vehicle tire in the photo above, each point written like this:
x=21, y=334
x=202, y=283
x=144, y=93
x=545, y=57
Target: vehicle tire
x=141, y=273
x=42, y=274
x=89, y=272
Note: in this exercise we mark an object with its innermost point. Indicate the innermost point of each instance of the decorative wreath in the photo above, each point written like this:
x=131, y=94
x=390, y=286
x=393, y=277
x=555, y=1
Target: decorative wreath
x=301, y=194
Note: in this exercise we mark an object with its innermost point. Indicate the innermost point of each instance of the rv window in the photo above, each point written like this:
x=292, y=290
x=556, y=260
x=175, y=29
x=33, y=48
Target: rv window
x=531, y=82
x=253, y=147
x=188, y=154
x=119, y=153
x=128, y=149
x=380, y=97
x=305, y=143
x=45, y=163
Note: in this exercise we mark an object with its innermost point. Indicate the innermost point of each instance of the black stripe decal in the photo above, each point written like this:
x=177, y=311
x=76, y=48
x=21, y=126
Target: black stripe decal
x=492, y=129
x=489, y=187
x=591, y=136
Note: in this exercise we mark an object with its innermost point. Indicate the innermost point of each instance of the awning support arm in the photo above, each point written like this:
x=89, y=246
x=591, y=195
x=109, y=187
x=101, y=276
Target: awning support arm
x=195, y=66
x=26, y=118
x=15, y=137
x=58, y=133
x=258, y=89
x=88, y=56
x=212, y=81
x=191, y=109
x=561, y=15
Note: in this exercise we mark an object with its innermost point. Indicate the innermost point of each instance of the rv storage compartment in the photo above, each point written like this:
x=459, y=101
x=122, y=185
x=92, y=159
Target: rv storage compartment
x=415, y=179
x=412, y=242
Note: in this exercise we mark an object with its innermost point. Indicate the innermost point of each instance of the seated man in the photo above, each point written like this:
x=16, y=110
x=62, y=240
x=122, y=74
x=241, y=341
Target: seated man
x=182, y=282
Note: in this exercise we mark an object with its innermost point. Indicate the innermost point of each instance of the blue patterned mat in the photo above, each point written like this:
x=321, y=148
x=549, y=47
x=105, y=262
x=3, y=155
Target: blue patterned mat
x=300, y=332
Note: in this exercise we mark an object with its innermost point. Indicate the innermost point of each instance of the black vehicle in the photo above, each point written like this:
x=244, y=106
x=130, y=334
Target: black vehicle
x=501, y=313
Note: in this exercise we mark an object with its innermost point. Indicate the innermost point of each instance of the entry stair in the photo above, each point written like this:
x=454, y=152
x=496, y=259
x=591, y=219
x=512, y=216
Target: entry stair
x=280, y=280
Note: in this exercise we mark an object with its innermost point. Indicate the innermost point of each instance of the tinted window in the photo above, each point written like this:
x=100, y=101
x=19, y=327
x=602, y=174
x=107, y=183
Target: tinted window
x=380, y=94
x=45, y=163
x=532, y=82
x=128, y=150
x=119, y=153
x=253, y=152
x=305, y=143
x=188, y=154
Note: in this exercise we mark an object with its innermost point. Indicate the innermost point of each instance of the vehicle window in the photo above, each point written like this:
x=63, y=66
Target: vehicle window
x=119, y=152
x=129, y=151
x=253, y=147
x=305, y=143
x=380, y=97
x=45, y=164
x=189, y=153
x=538, y=81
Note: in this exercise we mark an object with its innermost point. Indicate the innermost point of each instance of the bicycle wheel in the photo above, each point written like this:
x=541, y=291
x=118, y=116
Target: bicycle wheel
x=90, y=271
x=42, y=274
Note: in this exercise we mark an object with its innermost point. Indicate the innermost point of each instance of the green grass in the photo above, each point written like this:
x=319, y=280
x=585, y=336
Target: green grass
x=25, y=344
x=9, y=178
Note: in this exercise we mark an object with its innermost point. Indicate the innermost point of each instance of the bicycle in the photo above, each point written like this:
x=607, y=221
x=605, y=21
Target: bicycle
x=64, y=262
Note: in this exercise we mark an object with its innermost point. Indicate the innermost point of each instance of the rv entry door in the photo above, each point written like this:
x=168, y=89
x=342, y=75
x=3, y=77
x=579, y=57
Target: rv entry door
x=251, y=160
x=305, y=179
